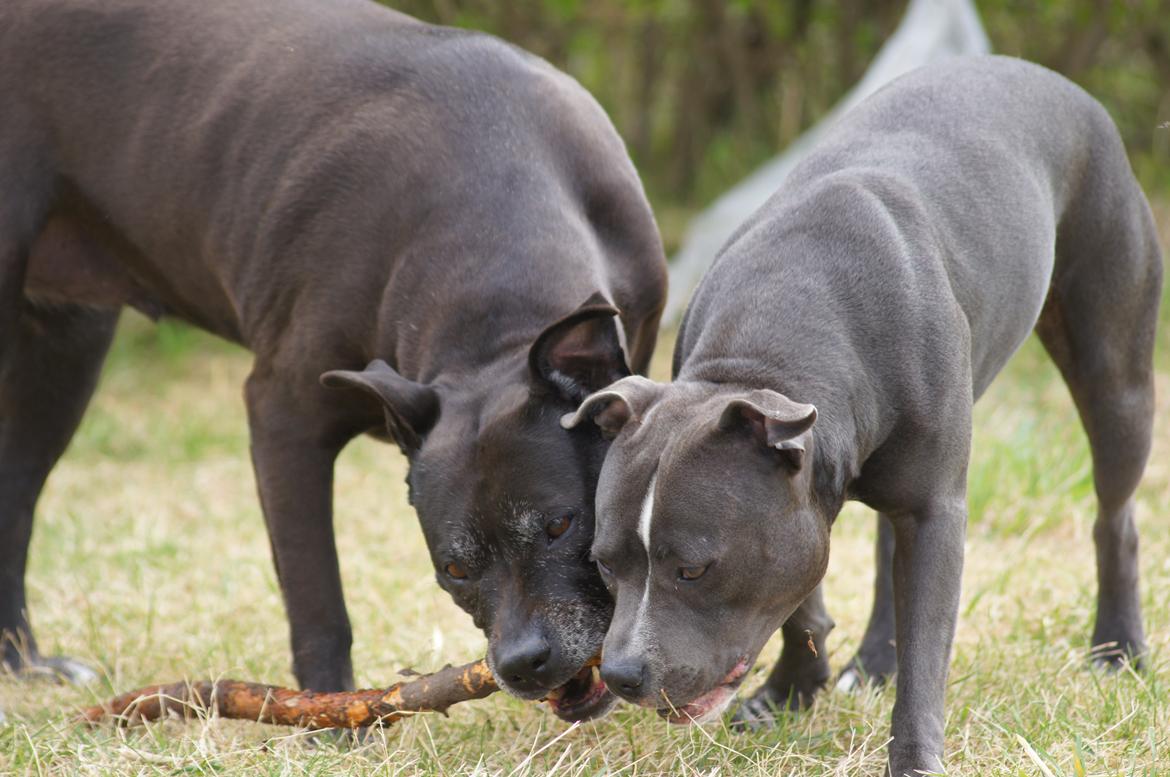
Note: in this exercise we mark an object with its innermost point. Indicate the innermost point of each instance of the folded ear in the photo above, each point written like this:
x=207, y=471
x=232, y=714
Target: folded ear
x=411, y=408
x=580, y=353
x=613, y=407
x=774, y=420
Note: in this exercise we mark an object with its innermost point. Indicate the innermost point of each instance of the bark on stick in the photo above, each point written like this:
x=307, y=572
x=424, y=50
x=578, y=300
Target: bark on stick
x=306, y=709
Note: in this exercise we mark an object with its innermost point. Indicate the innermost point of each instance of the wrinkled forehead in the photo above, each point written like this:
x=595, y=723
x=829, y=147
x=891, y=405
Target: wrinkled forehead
x=491, y=476
x=624, y=490
x=525, y=457
x=677, y=469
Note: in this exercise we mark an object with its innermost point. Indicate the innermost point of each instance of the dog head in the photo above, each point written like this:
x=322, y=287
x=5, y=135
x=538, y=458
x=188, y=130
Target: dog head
x=505, y=498
x=708, y=535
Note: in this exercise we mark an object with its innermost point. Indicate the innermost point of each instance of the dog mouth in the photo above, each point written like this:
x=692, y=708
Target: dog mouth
x=583, y=697
x=712, y=703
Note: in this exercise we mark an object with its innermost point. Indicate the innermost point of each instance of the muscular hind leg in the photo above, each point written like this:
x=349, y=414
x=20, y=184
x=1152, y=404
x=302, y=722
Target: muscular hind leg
x=49, y=364
x=1098, y=325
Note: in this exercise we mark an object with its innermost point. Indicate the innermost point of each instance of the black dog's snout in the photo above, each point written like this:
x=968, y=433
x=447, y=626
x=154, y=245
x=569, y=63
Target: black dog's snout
x=624, y=677
x=526, y=662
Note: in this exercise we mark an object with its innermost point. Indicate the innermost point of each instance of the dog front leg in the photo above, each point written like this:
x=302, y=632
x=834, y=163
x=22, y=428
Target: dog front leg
x=293, y=459
x=803, y=668
x=928, y=566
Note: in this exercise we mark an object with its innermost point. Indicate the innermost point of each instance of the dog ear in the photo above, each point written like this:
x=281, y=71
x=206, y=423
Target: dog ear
x=774, y=420
x=612, y=407
x=581, y=353
x=411, y=409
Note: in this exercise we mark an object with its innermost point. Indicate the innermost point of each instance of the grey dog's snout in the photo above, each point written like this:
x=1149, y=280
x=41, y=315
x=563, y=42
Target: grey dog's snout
x=625, y=677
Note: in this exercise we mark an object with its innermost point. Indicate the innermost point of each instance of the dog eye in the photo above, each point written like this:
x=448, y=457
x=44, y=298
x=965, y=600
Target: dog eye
x=605, y=570
x=692, y=573
x=558, y=526
x=456, y=571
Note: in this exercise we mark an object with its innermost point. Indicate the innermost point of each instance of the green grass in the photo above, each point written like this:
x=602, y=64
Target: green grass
x=150, y=561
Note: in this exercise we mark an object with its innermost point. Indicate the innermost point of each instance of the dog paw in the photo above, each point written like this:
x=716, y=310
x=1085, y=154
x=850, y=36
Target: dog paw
x=1110, y=657
x=326, y=740
x=1114, y=655
x=861, y=672
x=850, y=681
x=755, y=714
x=60, y=668
x=762, y=708
x=914, y=762
x=854, y=680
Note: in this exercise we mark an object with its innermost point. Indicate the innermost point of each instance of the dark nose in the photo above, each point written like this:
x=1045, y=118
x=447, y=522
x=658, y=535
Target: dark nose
x=624, y=676
x=525, y=662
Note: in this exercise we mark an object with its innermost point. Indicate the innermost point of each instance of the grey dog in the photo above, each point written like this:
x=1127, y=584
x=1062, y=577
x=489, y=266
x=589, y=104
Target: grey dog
x=834, y=351
x=442, y=225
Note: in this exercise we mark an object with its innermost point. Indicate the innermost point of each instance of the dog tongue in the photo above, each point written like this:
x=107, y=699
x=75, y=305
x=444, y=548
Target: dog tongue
x=711, y=703
x=702, y=709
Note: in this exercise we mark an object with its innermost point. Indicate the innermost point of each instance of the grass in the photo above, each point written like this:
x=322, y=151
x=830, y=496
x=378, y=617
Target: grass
x=150, y=561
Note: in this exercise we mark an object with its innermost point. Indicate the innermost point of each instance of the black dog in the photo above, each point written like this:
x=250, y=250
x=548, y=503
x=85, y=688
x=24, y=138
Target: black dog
x=332, y=184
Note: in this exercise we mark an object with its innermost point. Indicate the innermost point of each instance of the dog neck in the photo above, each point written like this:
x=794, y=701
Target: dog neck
x=849, y=425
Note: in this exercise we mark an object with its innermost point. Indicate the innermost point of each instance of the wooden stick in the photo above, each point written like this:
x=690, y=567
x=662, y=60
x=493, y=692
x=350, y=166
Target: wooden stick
x=306, y=709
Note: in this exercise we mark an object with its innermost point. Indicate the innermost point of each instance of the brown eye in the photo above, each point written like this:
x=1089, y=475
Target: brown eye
x=558, y=526
x=456, y=571
x=692, y=573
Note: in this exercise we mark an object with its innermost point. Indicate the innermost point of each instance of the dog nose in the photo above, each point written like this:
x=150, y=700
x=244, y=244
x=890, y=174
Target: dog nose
x=624, y=677
x=524, y=663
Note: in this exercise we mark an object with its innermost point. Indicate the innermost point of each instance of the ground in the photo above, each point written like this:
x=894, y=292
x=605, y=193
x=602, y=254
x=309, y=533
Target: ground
x=150, y=562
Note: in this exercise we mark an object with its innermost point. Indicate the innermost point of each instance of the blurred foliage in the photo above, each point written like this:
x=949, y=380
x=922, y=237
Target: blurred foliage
x=705, y=90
